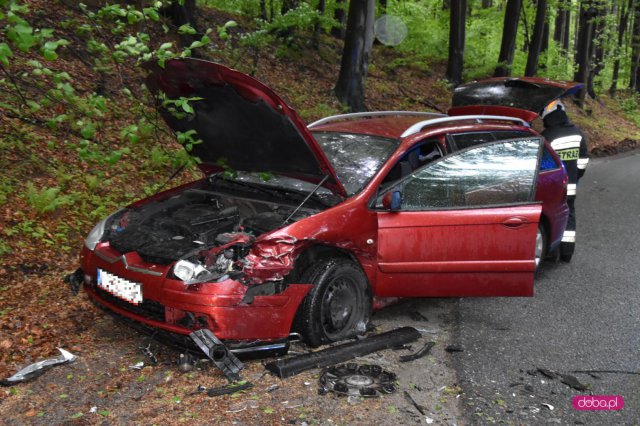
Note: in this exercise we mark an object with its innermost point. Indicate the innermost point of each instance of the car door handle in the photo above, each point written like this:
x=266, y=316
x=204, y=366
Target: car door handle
x=514, y=222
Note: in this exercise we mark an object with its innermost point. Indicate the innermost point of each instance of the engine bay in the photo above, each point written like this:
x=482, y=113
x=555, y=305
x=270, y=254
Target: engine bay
x=198, y=219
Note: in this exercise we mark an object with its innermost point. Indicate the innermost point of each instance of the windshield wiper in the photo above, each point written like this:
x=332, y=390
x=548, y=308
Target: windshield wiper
x=324, y=179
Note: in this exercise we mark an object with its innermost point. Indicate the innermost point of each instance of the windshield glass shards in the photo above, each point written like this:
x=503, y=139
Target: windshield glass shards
x=356, y=158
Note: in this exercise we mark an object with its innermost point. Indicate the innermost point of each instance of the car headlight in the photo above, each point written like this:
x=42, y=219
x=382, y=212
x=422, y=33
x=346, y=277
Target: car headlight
x=193, y=272
x=96, y=234
x=190, y=272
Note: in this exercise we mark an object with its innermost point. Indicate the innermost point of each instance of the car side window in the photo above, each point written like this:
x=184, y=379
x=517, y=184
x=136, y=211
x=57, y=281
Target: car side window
x=491, y=174
x=547, y=162
x=462, y=141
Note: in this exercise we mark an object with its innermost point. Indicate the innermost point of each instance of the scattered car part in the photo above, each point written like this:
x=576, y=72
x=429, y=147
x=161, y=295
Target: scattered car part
x=146, y=351
x=549, y=406
x=186, y=362
x=75, y=280
x=422, y=352
x=454, y=348
x=272, y=388
x=291, y=366
x=413, y=402
x=572, y=382
x=137, y=366
x=37, y=368
x=417, y=316
x=229, y=389
x=224, y=359
x=358, y=380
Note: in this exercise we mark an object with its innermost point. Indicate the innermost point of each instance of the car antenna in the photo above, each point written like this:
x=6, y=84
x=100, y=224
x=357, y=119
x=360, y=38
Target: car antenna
x=324, y=179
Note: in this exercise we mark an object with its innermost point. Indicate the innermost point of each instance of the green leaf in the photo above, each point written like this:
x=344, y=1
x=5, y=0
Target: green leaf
x=5, y=54
x=186, y=29
x=76, y=415
x=104, y=413
x=267, y=410
x=152, y=13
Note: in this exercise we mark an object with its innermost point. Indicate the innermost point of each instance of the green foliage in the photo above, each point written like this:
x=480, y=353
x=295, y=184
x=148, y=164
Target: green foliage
x=46, y=200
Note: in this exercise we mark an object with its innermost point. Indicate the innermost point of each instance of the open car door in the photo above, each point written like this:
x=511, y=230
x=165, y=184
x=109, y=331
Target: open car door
x=466, y=224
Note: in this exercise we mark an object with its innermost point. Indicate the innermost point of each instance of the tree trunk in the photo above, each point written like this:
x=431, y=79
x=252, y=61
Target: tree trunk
x=634, y=83
x=509, y=33
x=622, y=29
x=545, y=38
x=525, y=26
x=182, y=14
x=486, y=4
x=536, y=42
x=339, y=16
x=457, y=24
x=288, y=5
x=383, y=7
x=355, y=55
x=315, y=41
x=597, y=46
x=583, y=51
x=560, y=22
x=263, y=9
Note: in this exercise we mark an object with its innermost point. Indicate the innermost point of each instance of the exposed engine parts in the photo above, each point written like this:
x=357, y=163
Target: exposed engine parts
x=351, y=379
x=195, y=220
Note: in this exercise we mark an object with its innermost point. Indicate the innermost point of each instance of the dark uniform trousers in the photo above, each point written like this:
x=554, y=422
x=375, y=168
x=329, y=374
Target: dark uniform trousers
x=573, y=152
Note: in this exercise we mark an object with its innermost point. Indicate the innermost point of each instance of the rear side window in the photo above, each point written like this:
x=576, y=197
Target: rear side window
x=547, y=162
x=466, y=140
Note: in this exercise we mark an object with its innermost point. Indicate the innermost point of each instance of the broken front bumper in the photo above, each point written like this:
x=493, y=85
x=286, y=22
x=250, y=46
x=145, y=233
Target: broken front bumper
x=168, y=305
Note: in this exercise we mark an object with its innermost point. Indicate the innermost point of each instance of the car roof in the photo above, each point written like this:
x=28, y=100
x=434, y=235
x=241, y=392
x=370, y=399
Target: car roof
x=406, y=125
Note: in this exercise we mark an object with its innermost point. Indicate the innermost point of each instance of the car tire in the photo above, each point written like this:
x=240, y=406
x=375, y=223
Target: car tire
x=541, y=247
x=338, y=306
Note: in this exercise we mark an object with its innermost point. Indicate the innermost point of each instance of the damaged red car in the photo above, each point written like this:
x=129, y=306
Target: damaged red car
x=307, y=230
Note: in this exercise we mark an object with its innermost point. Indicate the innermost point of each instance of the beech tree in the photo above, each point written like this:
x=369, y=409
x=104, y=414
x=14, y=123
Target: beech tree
x=509, y=33
x=457, y=24
x=355, y=55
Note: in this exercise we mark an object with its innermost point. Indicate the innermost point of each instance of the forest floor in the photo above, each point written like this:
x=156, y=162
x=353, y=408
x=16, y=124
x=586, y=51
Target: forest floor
x=38, y=313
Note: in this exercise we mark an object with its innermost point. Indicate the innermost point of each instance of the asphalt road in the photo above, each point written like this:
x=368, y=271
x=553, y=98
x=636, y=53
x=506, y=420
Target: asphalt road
x=585, y=316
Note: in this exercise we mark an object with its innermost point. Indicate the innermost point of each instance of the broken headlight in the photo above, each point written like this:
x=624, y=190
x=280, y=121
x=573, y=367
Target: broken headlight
x=193, y=271
x=98, y=231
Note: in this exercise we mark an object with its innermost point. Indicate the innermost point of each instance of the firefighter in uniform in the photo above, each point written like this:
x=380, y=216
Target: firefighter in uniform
x=571, y=146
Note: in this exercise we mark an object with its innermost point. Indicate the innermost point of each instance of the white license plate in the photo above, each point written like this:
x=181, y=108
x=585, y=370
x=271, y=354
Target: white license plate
x=124, y=289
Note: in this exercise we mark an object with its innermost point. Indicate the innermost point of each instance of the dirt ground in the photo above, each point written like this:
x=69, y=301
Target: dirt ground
x=101, y=387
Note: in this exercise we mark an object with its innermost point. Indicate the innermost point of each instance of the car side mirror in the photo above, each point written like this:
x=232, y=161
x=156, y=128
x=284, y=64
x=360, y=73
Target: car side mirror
x=392, y=200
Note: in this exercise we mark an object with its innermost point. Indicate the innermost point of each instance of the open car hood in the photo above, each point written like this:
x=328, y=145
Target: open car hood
x=523, y=97
x=242, y=123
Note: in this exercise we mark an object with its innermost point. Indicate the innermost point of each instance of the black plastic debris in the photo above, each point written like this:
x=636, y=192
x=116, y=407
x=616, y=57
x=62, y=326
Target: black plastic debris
x=75, y=280
x=213, y=348
x=417, y=316
x=366, y=380
x=572, y=382
x=291, y=366
x=37, y=368
x=229, y=389
x=422, y=352
x=413, y=402
x=454, y=348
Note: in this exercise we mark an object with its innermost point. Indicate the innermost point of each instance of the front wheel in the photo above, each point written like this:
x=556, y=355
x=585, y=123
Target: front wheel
x=339, y=304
